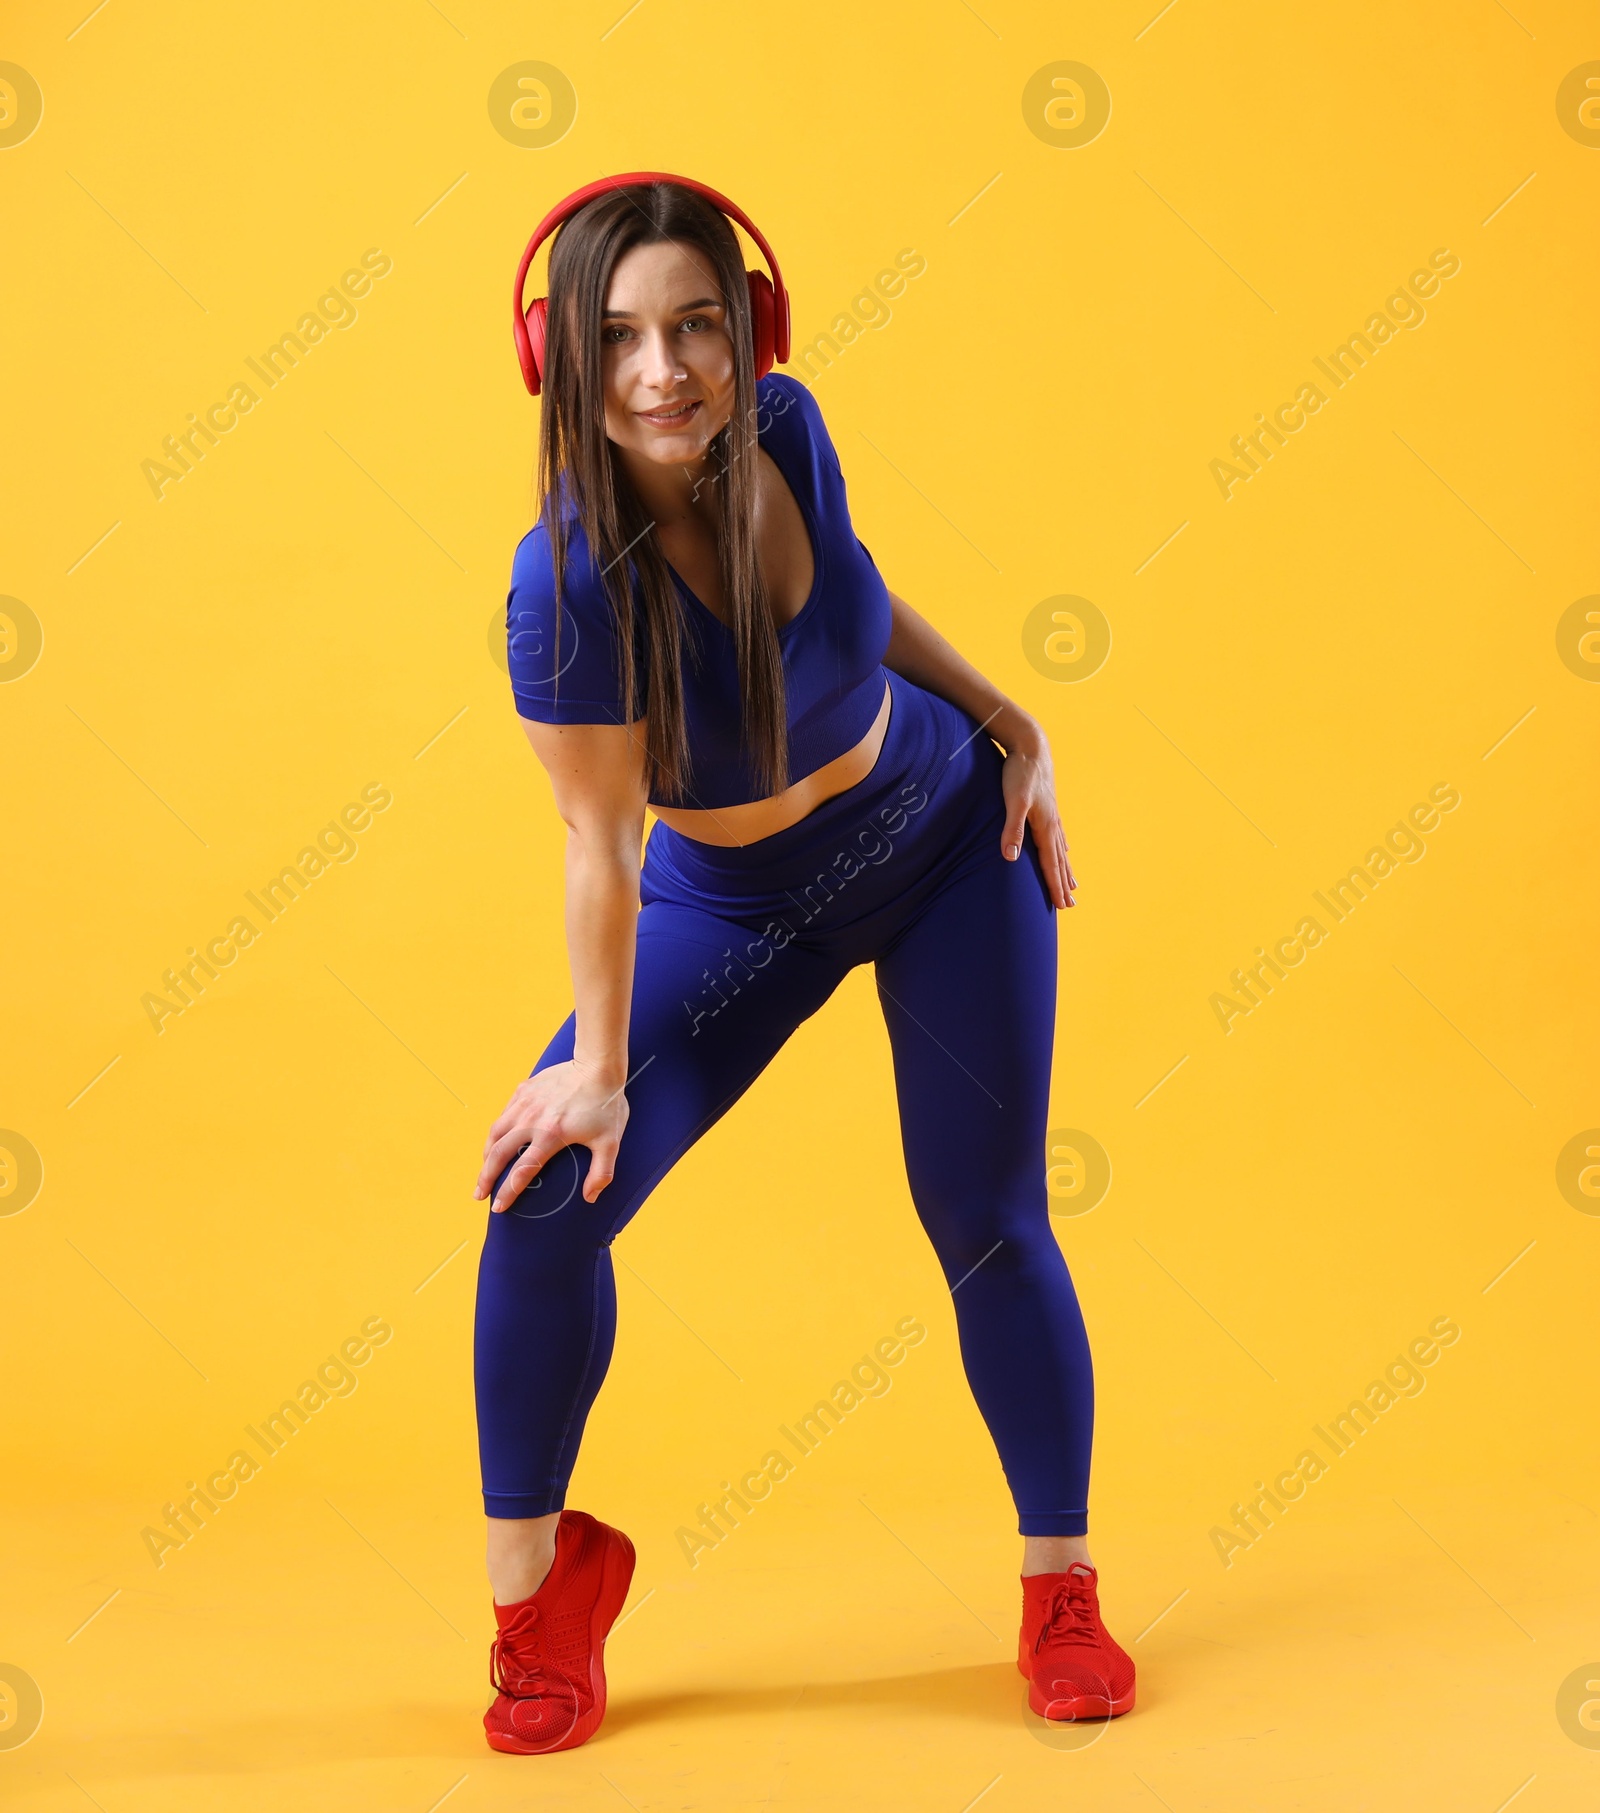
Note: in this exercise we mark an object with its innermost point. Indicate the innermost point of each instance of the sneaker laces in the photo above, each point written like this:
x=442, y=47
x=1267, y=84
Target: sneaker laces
x=511, y=1663
x=1071, y=1615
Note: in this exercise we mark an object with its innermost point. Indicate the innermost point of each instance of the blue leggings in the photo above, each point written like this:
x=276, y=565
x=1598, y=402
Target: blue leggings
x=735, y=948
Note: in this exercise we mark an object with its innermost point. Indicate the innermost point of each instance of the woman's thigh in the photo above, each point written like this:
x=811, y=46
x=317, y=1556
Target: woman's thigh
x=969, y=997
x=713, y=1002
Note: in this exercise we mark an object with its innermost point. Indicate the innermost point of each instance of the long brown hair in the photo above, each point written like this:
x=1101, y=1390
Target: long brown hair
x=577, y=457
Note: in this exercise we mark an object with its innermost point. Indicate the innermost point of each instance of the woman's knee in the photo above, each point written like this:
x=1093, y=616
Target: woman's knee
x=971, y=1229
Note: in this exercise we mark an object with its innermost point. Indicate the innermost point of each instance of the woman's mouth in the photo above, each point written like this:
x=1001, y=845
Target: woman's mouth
x=673, y=416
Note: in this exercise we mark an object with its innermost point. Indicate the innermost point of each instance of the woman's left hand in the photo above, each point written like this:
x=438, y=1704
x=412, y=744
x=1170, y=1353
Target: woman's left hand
x=1029, y=783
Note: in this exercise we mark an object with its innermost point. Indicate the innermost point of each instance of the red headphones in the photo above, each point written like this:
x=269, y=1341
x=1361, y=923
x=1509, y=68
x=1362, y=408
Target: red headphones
x=769, y=302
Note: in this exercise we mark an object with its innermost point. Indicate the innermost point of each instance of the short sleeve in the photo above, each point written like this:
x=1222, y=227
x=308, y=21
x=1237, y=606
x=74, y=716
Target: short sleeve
x=564, y=665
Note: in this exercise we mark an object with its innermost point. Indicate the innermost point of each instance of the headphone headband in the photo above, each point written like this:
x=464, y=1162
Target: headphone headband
x=565, y=209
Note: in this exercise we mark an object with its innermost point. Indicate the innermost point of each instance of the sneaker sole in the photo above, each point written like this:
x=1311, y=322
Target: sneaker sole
x=615, y=1578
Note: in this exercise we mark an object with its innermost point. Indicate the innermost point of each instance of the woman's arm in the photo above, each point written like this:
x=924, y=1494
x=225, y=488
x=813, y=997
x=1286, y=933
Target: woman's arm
x=918, y=652
x=597, y=772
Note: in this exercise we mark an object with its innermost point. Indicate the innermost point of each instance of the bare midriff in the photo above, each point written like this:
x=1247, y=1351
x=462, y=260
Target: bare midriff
x=734, y=826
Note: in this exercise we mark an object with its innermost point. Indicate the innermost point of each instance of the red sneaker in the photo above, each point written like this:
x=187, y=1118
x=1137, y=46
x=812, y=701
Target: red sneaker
x=547, y=1658
x=1073, y=1666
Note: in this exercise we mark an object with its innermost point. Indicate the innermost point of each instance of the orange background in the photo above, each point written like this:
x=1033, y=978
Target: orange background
x=1381, y=609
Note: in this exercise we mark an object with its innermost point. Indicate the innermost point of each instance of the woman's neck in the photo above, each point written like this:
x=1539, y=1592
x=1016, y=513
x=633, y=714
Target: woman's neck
x=673, y=494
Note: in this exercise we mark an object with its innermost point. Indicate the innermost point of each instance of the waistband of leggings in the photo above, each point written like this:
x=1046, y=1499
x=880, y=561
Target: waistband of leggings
x=924, y=733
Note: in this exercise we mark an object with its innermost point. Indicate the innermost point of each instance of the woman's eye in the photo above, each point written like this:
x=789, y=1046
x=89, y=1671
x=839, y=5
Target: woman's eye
x=696, y=324
x=620, y=333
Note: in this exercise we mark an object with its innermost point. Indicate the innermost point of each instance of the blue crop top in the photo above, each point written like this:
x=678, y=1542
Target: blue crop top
x=832, y=651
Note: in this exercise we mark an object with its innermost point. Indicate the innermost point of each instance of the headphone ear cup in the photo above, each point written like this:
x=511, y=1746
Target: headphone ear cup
x=533, y=363
x=763, y=320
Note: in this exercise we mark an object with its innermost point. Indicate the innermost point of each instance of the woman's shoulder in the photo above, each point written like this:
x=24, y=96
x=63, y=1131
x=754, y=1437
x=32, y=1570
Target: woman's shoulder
x=786, y=407
x=780, y=394
x=533, y=563
x=563, y=660
x=533, y=567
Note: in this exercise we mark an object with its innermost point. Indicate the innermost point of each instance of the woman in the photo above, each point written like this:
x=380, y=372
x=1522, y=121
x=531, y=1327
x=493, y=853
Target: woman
x=820, y=764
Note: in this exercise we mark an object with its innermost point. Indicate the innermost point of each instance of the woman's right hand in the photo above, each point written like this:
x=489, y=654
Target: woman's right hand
x=565, y=1105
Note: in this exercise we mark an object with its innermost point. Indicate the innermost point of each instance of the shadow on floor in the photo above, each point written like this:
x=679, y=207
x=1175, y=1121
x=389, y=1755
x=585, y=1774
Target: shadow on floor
x=991, y=1694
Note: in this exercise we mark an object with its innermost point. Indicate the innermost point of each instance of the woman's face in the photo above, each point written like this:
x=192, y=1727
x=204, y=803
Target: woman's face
x=666, y=356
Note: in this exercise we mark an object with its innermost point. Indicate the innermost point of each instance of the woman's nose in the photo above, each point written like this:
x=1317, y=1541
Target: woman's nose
x=659, y=368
